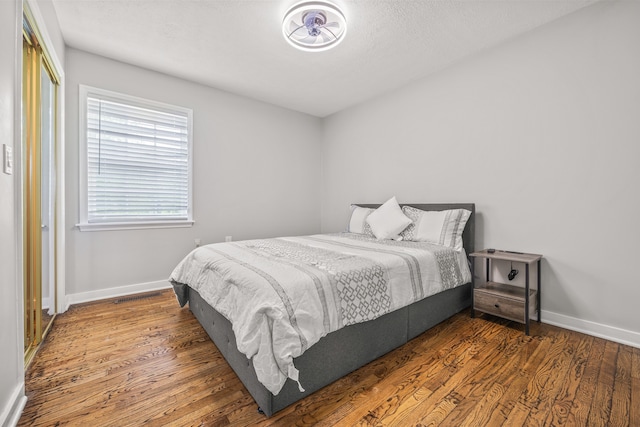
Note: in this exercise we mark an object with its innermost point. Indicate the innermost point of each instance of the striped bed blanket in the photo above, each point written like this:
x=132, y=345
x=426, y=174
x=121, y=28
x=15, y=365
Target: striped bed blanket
x=282, y=295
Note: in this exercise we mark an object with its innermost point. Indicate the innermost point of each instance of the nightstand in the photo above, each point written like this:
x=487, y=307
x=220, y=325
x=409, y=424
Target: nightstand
x=511, y=302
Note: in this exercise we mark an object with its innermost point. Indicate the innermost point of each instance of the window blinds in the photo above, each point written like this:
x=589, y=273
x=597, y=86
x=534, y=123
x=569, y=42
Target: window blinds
x=137, y=163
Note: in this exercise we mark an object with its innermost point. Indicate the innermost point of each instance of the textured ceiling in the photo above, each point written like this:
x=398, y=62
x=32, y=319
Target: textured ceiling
x=237, y=45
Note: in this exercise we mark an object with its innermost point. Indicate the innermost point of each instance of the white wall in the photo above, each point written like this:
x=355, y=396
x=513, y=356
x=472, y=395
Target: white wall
x=50, y=26
x=542, y=133
x=256, y=174
x=11, y=360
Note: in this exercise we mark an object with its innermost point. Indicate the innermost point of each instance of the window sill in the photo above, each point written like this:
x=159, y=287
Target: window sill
x=105, y=226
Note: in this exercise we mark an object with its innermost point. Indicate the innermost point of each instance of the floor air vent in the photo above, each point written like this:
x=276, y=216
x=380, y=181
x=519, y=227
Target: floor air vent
x=136, y=297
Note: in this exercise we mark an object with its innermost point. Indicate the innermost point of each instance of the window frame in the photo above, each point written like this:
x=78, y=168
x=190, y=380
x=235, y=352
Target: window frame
x=84, y=225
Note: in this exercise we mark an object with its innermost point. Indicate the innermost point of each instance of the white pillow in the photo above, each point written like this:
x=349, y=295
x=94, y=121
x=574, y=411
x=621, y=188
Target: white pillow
x=440, y=227
x=388, y=220
x=358, y=221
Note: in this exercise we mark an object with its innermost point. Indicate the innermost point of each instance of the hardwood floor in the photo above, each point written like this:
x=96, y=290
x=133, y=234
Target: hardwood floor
x=148, y=362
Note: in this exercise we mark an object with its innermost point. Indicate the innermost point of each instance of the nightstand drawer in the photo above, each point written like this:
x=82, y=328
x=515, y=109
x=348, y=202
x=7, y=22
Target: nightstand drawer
x=512, y=309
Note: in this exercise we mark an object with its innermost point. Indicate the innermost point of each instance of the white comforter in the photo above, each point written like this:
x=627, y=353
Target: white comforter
x=283, y=295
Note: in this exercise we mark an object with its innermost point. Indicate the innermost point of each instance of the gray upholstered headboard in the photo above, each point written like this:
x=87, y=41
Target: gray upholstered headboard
x=468, y=235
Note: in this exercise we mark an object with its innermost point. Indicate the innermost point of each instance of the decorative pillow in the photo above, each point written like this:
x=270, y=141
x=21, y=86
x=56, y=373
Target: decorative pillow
x=440, y=227
x=388, y=220
x=358, y=221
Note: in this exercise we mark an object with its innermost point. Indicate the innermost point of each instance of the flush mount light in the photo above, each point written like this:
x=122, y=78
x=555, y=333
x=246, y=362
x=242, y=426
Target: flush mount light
x=314, y=25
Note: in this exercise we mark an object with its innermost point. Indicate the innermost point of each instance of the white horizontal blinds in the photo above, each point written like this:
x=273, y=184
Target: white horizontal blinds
x=137, y=162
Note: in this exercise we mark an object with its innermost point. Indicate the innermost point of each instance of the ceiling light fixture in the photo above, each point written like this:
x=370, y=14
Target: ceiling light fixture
x=314, y=25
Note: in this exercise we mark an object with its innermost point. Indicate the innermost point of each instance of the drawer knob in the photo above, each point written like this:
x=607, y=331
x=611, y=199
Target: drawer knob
x=497, y=305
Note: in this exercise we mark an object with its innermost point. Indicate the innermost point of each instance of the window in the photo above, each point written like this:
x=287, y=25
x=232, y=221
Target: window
x=135, y=162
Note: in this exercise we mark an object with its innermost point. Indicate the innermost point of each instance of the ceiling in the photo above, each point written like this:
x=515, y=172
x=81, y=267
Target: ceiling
x=237, y=45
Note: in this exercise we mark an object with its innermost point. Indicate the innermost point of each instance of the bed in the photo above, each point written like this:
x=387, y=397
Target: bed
x=347, y=342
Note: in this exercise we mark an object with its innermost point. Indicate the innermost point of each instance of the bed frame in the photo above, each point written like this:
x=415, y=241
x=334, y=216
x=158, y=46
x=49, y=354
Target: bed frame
x=344, y=350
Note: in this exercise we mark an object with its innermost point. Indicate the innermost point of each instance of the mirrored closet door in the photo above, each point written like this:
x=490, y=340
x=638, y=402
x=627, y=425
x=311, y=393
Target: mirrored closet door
x=39, y=118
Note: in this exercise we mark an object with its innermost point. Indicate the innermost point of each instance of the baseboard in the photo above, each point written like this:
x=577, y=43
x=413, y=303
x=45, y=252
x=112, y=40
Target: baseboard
x=10, y=414
x=599, y=330
x=115, y=292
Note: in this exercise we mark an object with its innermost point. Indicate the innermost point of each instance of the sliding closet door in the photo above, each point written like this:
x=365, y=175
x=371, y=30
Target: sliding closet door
x=31, y=197
x=39, y=120
x=47, y=192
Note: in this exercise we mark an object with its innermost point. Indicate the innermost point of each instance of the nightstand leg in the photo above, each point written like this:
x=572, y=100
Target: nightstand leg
x=473, y=285
x=526, y=299
x=539, y=293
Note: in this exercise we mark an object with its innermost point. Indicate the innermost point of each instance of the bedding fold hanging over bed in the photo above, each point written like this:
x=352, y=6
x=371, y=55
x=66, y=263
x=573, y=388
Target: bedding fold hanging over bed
x=283, y=295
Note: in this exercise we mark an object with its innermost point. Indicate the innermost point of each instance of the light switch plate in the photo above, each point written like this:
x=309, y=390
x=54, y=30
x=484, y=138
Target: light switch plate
x=7, y=155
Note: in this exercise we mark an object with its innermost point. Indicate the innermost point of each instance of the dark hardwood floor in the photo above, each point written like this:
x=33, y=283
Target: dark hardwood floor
x=148, y=362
